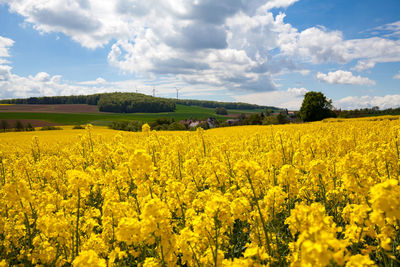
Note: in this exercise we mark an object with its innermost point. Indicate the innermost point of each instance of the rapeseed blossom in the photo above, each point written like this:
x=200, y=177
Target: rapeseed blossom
x=316, y=194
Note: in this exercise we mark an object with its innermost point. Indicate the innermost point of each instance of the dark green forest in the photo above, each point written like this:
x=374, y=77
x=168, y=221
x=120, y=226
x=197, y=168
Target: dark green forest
x=53, y=100
x=107, y=102
x=374, y=111
x=134, y=102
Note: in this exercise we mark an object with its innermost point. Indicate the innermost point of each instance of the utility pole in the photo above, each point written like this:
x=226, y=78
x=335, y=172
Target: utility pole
x=154, y=92
x=177, y=91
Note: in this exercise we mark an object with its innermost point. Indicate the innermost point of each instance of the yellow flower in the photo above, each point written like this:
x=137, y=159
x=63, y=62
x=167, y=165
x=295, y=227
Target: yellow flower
x=236, y=196
x=151, y=262
x=146, y=128
x=129, y=231
x=385, y=197
x=89, y=258
x=360, y=261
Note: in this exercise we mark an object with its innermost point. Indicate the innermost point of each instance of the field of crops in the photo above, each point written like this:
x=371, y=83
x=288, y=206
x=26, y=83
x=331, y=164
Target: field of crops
x=181, y=113
x=316, y=194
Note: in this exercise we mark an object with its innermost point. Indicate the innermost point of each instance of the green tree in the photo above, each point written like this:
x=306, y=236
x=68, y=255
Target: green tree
x=176, y=126
x=282, y=119
x=254, y=119
x=316, y=107
x=268, y=112
x=4, y=125
x=19, y=127
x=268, y=120
x=221, y=111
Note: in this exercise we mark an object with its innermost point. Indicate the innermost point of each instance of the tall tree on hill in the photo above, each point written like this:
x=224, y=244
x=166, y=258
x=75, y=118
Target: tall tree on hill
x=316, y=107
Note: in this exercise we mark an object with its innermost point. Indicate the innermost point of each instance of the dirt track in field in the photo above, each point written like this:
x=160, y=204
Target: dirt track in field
x=61, y=108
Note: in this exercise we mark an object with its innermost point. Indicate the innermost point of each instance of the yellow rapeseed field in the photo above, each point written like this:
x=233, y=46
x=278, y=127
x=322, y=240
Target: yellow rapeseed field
x=315, y=194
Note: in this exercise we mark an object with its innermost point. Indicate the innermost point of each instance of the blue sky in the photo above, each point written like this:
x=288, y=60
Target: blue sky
x=268, y=52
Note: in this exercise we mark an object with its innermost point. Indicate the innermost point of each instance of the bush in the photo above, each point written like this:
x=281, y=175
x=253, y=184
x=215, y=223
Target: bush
x=254, y=119
x=282, y=119
x=29, y=127
x=162, y=122
x=118, y=125
x=134, y=126
x=203, y=125
x=221, y=111
x=78, y=127
x=161, y=127
x=131, y=126
x=269, y=120
x=50, y=128
x=176, y=126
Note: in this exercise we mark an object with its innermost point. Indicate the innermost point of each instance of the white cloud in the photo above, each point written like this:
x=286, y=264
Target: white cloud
x=42, y=77
x=343, y=77
x=390, y=30
x=5, y=70
x=279, y=3
x=358, y=102
x=397, y=76
x=230, y=44
x=363, y=65
x=98, y=81
x=201, y=41
x=290, y=99
x=5, y=73
x=5, y=44
x=318, y=45
x=298, y=92
x=45, y=84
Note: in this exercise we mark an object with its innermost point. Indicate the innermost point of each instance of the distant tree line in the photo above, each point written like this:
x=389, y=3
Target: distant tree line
x=161, y=124
x=18, y=127
x=169, y=124
x=367, y=112
x=316, y=107
x=52, y=100
x=132, y=102
x=107, y=102
x=217, y=104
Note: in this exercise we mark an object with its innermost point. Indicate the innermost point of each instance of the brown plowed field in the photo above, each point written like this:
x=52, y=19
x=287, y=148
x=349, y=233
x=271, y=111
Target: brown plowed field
x=61, y=108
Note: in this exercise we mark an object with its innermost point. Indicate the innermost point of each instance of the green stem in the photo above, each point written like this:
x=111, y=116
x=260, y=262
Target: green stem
x=77, y=224
x=264, y=224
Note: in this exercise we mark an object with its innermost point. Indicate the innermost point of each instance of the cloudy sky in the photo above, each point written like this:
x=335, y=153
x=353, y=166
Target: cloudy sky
x=267, y=52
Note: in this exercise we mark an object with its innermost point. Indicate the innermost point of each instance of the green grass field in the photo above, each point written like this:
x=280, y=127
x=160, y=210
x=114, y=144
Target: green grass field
x=182, y=112
x=239, y=111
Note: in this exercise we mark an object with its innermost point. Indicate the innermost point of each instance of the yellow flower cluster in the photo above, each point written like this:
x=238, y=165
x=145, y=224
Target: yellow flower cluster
x=318, y=194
